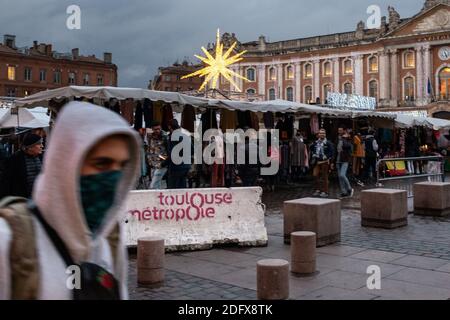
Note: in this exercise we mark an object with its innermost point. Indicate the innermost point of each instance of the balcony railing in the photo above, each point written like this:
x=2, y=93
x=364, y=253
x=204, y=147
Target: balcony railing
x=443, y=97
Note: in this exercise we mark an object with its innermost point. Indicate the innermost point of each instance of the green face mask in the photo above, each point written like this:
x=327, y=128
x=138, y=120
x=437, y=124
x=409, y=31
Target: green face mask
x=97, y=196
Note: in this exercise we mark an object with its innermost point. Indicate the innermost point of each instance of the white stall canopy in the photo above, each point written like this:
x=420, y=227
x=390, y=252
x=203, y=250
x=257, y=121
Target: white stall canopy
x=24, y=118
x=44, y=97
x=407, y=121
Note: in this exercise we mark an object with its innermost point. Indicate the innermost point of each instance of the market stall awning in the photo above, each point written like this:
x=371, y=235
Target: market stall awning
x=24, y=119
x=407, y=121
x=42, y=99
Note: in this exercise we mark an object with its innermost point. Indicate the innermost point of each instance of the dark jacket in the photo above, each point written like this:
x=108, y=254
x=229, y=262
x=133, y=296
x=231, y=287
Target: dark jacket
x=346, y=154
x=14, y=178
x=328, y=151
x=182, y=166
x=248, y=169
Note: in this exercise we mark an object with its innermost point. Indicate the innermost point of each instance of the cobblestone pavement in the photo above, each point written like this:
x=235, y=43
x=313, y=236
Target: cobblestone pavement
x=415, y=261
x=182, y=286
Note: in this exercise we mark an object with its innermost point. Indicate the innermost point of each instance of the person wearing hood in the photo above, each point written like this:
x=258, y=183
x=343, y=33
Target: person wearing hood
x=91, y=163
x=22, y=168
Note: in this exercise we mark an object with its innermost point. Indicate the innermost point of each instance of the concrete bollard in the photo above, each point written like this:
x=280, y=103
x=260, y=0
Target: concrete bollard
x=303, y=252
x=272, y=279
x=150, y=261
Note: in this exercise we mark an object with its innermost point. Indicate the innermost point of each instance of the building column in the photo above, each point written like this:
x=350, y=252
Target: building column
x=419, y=77
x=394, y=78
x=280, y=89
x=337, y=87
x=316, y=80
x=427, y=74
x=298, y=83
x=233, y=77
x=383, y=61
x=262, y=80
x=240, y=81
x=358, y=74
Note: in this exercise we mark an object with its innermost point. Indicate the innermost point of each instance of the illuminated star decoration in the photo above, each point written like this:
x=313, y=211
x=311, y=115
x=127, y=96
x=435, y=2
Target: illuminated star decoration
x=218, y=66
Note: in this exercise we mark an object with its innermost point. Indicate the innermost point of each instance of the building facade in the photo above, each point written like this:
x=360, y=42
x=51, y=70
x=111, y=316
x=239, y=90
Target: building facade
x=404, y=64
x=169, y=78
x=27, y=70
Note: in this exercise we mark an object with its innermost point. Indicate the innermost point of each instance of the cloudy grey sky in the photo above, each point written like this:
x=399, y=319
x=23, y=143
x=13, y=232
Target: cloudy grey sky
x=146, y=34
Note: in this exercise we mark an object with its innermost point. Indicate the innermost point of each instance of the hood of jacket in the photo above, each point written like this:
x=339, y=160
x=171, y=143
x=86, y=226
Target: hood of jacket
x=79, y=127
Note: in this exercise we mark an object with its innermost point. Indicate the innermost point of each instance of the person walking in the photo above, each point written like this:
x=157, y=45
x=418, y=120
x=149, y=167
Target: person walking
x=343, y=157
x=322, y=153
x=371, y=154
x=73, y=222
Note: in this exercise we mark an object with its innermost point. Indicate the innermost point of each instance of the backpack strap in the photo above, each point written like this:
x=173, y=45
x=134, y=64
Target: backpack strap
x=23, y=254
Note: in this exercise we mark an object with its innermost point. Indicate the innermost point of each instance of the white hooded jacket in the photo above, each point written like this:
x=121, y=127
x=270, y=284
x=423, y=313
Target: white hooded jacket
x=56, y=193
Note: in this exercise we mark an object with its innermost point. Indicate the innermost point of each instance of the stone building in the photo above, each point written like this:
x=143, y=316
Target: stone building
x=169, y=78
x=404, y=64
x=27, y=70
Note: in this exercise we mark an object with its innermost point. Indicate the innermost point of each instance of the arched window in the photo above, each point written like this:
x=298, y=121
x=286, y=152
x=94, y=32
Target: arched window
x=308, y=70
x=251, y=91
x=348, y=88
x=409, y=60
x=308, y=94
x=251, y=74
x=290, y=94
x=272, y=94
x=327, y=69
x=348, y=66
x=373, y=64
x=272, y=74
x=326, y=89
x=444, y=83
x=408, y=88
x=373, y=89
x=289, y=72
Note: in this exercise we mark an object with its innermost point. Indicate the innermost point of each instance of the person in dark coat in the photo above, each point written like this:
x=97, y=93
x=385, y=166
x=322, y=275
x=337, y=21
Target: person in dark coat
x=22, y=168
x=177, y=173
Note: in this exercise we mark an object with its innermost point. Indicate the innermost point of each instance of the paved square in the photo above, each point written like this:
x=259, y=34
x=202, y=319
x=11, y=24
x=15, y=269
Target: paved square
x=414, y=263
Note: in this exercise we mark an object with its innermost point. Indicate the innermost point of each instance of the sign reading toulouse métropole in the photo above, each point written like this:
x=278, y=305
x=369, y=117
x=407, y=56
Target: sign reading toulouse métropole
x=350, y=101
x=190, y=219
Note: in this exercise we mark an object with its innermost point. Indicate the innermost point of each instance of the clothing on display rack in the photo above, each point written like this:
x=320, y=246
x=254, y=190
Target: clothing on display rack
x=269, y=121
x=285, y=159
x=138, y=116
x=254, y=121
x=314, y=123
x=147, y=109
x=244, y=119
x=228, y=120
x=127, y=110
x=299, y=152
x=167, y=116
x=188, y=118
x=209, y=120
x=157, y=111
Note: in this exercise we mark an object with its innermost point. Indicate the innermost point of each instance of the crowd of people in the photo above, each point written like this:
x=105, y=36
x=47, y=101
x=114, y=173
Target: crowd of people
x=350, y=155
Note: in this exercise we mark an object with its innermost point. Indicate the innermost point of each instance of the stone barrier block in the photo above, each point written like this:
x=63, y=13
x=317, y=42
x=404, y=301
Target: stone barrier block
x=321, y=216
x=432, y=199
x=384, y=208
